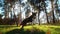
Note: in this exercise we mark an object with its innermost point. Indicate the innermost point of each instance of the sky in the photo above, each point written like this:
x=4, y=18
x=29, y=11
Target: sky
x=1, y=7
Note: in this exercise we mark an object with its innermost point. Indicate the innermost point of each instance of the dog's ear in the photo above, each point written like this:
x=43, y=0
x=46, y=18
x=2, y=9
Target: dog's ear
x=34, y=13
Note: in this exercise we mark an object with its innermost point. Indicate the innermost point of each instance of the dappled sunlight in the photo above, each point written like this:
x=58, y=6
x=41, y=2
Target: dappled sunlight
x=26, y=29
x=31, y=28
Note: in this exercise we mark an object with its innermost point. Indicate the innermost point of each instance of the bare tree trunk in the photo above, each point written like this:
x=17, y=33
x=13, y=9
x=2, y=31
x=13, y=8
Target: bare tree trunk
x=6, y=9
x=38, y=17
x=57, y=11
x=46, y=13
x=53, y=10
x=19, y=16
x=15, y=20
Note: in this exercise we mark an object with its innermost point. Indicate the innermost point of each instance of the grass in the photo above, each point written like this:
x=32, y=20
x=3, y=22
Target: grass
x=31, y=29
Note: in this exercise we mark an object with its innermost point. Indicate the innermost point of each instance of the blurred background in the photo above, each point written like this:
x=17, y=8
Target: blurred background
x=15, y=11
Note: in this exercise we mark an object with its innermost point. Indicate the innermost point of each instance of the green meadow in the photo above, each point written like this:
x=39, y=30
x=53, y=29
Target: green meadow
x=30, y=29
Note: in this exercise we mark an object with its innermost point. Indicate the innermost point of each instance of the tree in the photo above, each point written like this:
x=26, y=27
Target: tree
x=56, y=11
x=27, y=13
x=53, y=10
x=46, y=11
x=1, y=16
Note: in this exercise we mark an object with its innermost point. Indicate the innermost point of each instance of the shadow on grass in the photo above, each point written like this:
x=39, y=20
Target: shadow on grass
x=22, y=31
x=6, y=26
x=57, y=29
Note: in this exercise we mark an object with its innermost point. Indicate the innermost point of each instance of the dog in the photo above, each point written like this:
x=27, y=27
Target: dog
x=29, y=19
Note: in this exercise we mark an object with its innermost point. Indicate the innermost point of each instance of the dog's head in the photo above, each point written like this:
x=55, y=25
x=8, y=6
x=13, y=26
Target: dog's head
x=34, y=15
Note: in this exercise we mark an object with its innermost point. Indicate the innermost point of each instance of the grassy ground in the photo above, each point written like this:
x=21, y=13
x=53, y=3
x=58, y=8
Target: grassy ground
x=31, y=29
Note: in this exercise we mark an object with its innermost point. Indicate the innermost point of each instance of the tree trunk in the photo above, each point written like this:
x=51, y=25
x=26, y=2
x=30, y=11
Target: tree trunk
x=46, y=13
x=38, y=17
x=53, y=11
x=6, y=11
